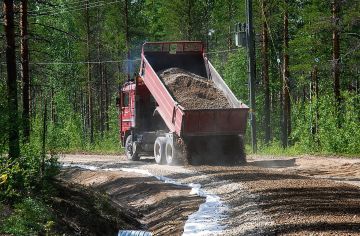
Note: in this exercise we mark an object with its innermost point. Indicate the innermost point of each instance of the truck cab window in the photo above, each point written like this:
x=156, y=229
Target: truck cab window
x=125, y=100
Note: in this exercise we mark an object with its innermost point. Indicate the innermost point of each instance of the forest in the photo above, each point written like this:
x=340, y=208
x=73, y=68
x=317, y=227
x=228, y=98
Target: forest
x=72, y=56
x=62, y=63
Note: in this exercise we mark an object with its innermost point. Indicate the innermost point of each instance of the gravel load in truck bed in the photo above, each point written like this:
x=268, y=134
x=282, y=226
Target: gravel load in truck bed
x=192, y=91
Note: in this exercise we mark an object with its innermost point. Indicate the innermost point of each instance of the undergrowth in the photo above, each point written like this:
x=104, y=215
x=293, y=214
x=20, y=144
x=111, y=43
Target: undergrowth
x=29, y=217
x=25, y=184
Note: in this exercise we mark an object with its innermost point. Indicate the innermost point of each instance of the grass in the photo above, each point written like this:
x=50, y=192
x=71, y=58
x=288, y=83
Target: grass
x=276, y=149
x=101, y=146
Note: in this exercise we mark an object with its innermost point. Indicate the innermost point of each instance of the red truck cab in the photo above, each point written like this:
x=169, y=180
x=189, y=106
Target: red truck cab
x=127, y=107
x=137, y=121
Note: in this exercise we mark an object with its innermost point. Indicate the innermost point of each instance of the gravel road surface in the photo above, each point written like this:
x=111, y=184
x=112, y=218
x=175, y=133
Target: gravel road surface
x=268, y=196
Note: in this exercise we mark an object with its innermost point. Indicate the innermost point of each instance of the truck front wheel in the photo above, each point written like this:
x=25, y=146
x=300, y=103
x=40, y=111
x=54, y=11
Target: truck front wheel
x=130, y=149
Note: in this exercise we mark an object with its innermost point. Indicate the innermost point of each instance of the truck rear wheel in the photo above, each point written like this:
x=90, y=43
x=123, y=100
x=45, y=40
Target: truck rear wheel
x=175, y=154
x=159, y=150
x=130, y=149
x=170, y=152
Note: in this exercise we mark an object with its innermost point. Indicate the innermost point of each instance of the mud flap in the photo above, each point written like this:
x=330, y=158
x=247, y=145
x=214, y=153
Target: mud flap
x=217, y=150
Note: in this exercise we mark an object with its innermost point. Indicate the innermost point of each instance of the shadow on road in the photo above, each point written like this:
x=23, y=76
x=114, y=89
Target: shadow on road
x=273, y=163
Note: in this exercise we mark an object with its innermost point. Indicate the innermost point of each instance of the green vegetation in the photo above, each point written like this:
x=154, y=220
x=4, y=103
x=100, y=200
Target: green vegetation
x=30, y=217
x=25, y=184
x=80, y=56
x=29, y=175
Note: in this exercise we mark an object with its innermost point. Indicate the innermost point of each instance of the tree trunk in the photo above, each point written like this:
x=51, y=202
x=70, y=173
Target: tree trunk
x=53, y=108
x=89, y=80
x=265, y=72
x=358, y=93
x=101, y=77
x=83, y=113
x=189, y=20
x=336, y=53
x=207, y=24
x=127, y=38
x=13, y=121
x=281, y=105
x=230, y=16
x=107, y=99
x=102, y=105
x=286, y=90
x=33, y=102
x=24, y=51
x=43, y=139
x=315, y=91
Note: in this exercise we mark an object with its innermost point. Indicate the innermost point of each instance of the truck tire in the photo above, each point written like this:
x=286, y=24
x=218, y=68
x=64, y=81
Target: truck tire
x=175, y=154
x=130, y=149
x=159, y=150
x=170, y=152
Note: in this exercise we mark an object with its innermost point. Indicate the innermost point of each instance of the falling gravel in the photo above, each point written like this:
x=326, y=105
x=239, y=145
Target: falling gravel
x=192, y=91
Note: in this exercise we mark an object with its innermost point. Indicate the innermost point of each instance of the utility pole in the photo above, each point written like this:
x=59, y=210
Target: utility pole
x=251, y=70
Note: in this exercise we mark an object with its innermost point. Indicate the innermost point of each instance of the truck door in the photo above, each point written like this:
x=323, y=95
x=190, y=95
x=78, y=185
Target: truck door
x=127, y=112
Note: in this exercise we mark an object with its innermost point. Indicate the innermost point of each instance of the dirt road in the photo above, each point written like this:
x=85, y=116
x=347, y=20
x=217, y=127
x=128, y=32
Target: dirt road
x=268, y=196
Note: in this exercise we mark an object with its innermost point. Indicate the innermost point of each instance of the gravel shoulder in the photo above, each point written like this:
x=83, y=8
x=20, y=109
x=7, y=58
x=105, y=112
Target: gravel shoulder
x=268, y=196
x=163, y=208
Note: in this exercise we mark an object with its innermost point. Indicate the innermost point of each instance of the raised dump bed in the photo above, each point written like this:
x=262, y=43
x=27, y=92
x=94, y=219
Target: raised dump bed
x=189, y=56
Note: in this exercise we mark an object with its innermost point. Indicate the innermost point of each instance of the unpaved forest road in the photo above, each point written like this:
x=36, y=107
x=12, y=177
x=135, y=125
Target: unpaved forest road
x=268, y=196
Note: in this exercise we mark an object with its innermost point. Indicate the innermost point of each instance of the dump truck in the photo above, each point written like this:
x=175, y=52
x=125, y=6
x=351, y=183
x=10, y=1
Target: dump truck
x=153, y=123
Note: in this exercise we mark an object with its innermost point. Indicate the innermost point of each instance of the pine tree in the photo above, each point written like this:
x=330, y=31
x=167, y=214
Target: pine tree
x=265, y=70
x=25, y=69
x=13, y=123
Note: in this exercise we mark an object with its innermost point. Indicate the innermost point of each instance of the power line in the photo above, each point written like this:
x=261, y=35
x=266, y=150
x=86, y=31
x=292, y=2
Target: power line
x=52, y=7
x=286, y=80
x=70, y=3
x=67, y=8
x=70, y=9
x=216, y=52
x=270, y=32
x=76, y=8
x=80, y=62
x=52, y=13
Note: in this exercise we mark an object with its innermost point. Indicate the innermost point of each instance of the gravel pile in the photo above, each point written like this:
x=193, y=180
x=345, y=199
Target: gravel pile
x=192, y=91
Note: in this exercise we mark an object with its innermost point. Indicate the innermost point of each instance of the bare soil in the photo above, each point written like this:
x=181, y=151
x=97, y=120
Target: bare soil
x=267, y=196
x=193, y=91
x=163, y=208
x=80, y=210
